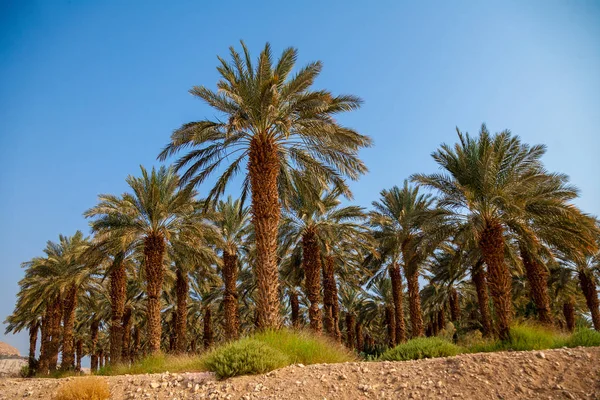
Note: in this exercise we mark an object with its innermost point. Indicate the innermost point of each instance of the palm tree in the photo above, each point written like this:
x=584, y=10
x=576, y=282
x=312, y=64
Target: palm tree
x=231, y=219
x=314, y=222
x=275, y=123
x=398, y=219
x=495, y=184
x=147, y=219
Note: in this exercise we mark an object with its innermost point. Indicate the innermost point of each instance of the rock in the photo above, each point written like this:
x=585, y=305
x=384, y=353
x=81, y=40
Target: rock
x=541, y=355
x=154, y=385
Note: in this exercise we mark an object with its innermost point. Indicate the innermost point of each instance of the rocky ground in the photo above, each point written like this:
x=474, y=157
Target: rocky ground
x=551, y=374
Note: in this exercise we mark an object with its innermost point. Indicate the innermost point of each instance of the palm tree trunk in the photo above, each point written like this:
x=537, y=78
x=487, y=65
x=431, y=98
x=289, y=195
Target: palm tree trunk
x=100, y=358
x=569, y=313
x=54, y=345
x=360, y=344
x=414, y=301
x=230, y=297
x=79, y=351
x=480, y=282
x=441, y=320
x=311, y=262
x=491, y=243
x=390, y=322
x=68, y=350
x=182, y=289
x=537, y=276
x=44, y=360
x=137, y=340
x=454, y=305
x=295, y=306
x=263, y=169
x=331, y=309
x=33, y=335
x=118, y=296
x=350, y=330
x=208, y=333
x=154, y=249
x=126, y=341
x=94, y=342
x=590, y=292
x=400, y=327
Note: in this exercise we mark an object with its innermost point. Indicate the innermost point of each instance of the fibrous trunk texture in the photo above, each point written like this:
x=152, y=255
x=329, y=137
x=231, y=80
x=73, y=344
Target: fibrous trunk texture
x=590, y=292
x=569, y=313
x=101, y=358
x=137, y=340
x=295, y=306
x=94, y=342
x=397, y=294
x=441, y=320
x=208, y=333
x=350, y=330
x=154, y=249
x=478, y=276
x=311, y=262
x=44, y=360
x=454, y=305
x=230, y=297
x=414, y=302
x=263, y=169
x=118, y=286
x=537, y=276
x=390, y=322
x=126, y=342
x=491, y=243
x=79, y=351
x=182, y=288
x=54, y=345
x=33, y=335
x=360, y=344
x=331, y=310
x=68, y=351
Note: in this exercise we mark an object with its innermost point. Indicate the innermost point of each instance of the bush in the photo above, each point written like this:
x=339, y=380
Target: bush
x=419, y=348
x=303, y=347
x=89, y=388
x=244, y=357
x=523, y=337
x=584, y=337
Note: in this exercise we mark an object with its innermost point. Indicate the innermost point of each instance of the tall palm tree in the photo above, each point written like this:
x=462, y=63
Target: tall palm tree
x=275, y=123
x=399, y=219
x=493, y=185
x=147, y=219
x=232, y=222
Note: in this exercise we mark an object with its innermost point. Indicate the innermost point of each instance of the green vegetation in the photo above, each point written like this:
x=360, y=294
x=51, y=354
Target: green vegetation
x=585, y=338
x=419, y=348
x=156, y=363
x=244, y=357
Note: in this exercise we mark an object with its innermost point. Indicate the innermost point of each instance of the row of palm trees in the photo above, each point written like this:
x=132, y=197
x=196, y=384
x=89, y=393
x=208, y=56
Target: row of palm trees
x=493, y=224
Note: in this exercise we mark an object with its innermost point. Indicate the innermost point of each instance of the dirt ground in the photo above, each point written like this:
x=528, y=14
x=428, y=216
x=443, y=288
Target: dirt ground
x=550, y=374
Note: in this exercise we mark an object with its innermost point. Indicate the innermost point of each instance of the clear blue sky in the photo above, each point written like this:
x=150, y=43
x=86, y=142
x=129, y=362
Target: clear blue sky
x=89, y=90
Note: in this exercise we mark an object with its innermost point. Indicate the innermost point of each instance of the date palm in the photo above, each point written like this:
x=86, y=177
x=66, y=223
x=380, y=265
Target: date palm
x=399, y=219
x=271, y=123
x=147, y=218
x=232, y=222
x=495, y=185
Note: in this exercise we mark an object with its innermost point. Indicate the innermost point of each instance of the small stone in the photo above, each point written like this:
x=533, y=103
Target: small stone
x=541, y=355
x=154, y=385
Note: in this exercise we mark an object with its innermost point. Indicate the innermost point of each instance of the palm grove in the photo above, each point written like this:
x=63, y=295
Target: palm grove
x=491, y=238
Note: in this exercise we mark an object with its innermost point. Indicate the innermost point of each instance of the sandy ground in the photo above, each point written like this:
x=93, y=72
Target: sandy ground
x=551, y=374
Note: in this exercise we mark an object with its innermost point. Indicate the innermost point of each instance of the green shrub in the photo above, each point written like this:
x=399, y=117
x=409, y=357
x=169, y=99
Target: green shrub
x=421, y=348
x=303, y=347
x=244, y=357
x=523, y=337
x=584, y=337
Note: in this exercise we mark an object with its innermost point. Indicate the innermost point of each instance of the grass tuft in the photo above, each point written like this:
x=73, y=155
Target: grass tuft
x=419, y=348
x=88, y=388
x=155, y=364
x=584, y=337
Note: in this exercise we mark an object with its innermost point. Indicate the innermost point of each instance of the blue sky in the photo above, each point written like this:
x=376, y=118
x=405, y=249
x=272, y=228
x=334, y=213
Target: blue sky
x=90, y=90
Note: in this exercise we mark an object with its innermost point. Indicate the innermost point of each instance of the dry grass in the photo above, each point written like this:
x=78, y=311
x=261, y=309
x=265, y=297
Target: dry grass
x=88, y=388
